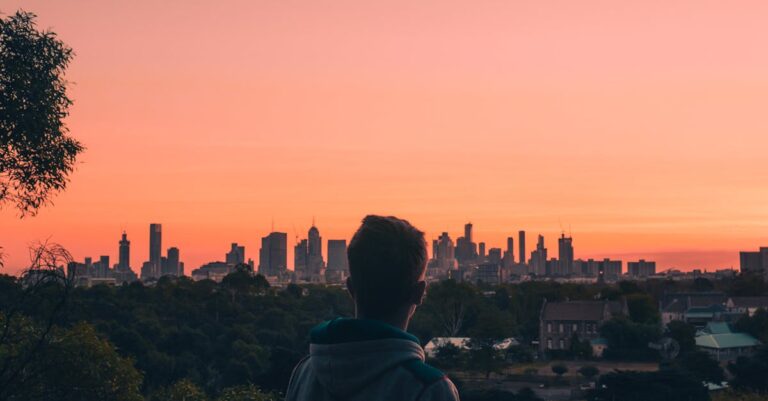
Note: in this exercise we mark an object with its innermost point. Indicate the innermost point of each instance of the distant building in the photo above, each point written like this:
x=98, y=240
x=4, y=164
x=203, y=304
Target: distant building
x=720, y=341
x=609, y=270
x=539, y=258
x=488, y=273
x=443, y=258
x=338, y=264
x=560, y=322
x=155, y=251
x=236, y=254
x=466, y=250
x=521, y=244
x=215, y=271
x=273, y=255
x=641, y=269
x=300, y=253
x=697, y=308
x=124, y=259
x=494, y=255
x=172, y=266
x=565, y=255
x=754, y=262
x=746, y=305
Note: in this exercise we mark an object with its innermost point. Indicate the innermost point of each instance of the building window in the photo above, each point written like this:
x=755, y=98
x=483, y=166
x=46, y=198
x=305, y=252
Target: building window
x=549, y=327
x=561, y=328
x=549, y=343
x=562, y=344
x=575, y=327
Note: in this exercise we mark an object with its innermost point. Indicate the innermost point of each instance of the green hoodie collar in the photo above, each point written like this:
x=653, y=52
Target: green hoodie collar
x=347, y=330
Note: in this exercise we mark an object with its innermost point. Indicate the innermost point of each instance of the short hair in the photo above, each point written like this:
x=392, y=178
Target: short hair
x=387, y=256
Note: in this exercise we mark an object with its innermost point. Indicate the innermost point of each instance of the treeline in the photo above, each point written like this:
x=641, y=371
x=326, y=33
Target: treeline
x=241, y=338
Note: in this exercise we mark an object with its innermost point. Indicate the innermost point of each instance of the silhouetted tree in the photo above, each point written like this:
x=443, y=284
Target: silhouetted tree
x=36, y=154
x=589, y=371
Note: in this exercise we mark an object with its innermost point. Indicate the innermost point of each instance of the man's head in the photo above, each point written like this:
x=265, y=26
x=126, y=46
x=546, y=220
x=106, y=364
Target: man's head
x=387, y=259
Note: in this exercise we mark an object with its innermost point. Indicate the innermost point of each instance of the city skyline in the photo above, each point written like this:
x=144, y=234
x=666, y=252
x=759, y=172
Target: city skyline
x=474, y=250
x=638, y=125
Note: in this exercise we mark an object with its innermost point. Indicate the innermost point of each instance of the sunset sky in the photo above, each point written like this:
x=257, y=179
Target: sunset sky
x=641, y=129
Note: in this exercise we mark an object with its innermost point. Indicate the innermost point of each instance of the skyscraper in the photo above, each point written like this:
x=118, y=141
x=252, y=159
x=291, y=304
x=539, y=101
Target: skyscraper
x=481, y=247
x=337, y=255
x=273, y=259
x=466, y=250
x=511, y=248
x=172, y=265
x=300, y=251
x=236, y=254
x=521, y=244
x=315, y=262
x=565, y=255
x=155, y=247
x=124, y=259
x=539, y=258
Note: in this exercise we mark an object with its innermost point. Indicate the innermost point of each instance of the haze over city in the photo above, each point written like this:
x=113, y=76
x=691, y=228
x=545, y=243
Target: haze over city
x=639, y=129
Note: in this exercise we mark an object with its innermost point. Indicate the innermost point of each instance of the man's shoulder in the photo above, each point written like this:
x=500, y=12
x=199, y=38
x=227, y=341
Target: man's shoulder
x=423, y=372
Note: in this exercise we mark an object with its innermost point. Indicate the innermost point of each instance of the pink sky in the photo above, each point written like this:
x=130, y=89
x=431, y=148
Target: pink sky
x=640, y=127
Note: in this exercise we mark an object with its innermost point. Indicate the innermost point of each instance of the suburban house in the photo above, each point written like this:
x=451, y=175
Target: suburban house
x=560, y=321
x=746, y=305
x=720, y=341
x=697, y=308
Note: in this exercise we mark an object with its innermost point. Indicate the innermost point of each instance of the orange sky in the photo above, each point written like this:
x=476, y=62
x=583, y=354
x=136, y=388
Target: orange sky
x=641, y=127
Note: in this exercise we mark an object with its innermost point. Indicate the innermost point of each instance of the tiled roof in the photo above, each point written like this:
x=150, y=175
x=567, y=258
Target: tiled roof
x=727, y=340
x=574, y=310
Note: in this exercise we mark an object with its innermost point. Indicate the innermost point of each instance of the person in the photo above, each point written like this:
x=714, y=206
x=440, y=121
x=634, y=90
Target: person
x=371, y=356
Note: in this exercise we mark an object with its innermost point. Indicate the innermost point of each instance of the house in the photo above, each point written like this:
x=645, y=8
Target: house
x=559, y=322
x=676, y=306
x=746, y=305
x=720, y=341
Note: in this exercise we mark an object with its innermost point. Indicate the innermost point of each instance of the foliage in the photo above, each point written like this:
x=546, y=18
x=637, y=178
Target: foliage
x=755, y=325
x=628, y=340
x=702, y=366
x=751, y=373
x=247, y=392
x=559, y=370
x=643, y=309
x=485, y=358
x=683, y=333
x=36, y=153
x=182, y=390
x=668, y=385
x=730, y=395
x=449, y=355
x=589, y=371
x=76, y=365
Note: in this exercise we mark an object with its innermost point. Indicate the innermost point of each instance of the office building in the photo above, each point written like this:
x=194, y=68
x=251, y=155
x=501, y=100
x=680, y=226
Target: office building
x=273, y=255
x=124, y=258
x=641, y=269
x=565, y=256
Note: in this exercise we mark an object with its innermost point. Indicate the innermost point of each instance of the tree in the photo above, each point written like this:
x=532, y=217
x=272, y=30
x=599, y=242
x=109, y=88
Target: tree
x=449, y=356
x=629, y=340
x=36, y=153
x=702, y=366
x=247, y=392
x=182, y=390
x=452, y=305
x=484, y=357
x=642, y=309
x=77, y=365
x=755, y=325
x=559, y=370
x=683, y=333
x=751, y=373
x=589, y=371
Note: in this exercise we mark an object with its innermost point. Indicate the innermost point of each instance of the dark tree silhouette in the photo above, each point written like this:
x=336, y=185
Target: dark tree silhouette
x=36, y=153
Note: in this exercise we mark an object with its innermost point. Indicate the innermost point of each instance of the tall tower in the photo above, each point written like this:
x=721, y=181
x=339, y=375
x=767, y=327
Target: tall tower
x=521, y=244
x=468, y=232
x=273, y=259
x=124, y=259
x=565, y=254
x=155, y=246
x=315, y=262
x=172, y=264
x=511, y=248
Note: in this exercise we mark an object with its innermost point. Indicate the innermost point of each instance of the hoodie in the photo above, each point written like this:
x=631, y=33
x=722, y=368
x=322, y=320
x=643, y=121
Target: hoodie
x=361, y=359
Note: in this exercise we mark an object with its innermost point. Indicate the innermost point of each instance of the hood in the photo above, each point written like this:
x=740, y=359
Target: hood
x=348, y=354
